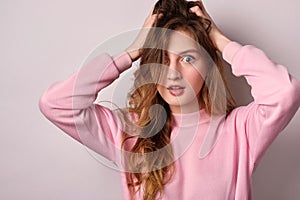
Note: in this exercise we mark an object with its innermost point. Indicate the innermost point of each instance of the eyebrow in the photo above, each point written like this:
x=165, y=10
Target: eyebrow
x=189, y=51
x=193, y=50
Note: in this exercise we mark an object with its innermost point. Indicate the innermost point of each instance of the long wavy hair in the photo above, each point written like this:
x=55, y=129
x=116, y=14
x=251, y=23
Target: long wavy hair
x=151, y=172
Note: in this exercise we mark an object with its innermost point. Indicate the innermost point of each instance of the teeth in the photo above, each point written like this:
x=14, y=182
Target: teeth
x=175, y=88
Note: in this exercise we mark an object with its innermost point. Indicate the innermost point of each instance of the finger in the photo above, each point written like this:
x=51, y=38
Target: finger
x=152, y=9
x=160, y=15
x=150, y=20
x=202, y=7
x=197, y=11
x=151, y=15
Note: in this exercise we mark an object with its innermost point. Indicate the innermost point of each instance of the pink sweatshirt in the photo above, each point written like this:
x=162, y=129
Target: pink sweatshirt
x=215, y=158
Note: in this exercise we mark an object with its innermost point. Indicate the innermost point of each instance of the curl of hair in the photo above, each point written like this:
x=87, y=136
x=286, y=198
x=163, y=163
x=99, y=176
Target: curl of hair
x=216, y=101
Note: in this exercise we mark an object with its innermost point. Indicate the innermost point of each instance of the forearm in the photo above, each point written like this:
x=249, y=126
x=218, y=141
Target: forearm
x=133, y=54
x=83, y=86
x=63, y=102
x=269, y=81
x=220, y=41
x=276, y=96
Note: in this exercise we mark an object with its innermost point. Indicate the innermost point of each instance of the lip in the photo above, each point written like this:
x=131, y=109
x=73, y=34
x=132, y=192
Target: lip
x=176, y=90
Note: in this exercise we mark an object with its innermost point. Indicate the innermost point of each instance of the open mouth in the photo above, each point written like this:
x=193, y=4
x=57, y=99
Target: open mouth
x=176, y=90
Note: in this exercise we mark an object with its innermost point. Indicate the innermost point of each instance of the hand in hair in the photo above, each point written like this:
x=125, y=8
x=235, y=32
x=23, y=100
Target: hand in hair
x=216, y=35
x=134, y=50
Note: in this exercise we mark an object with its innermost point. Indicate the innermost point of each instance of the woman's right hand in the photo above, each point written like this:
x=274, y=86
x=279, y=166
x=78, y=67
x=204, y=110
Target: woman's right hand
x=135, y=49
x=216, y=35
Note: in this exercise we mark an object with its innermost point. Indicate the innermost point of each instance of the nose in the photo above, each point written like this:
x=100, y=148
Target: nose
x=173, y=69
x=173, y=75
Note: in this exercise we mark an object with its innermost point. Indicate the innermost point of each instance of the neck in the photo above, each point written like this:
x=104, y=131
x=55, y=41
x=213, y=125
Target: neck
x=194, y=106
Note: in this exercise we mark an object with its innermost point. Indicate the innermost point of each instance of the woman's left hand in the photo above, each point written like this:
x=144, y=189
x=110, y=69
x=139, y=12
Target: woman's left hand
x=135, y=49
x=216, y=35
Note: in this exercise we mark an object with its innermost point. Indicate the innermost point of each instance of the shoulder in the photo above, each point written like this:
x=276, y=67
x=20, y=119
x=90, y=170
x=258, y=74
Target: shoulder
x=242, y=117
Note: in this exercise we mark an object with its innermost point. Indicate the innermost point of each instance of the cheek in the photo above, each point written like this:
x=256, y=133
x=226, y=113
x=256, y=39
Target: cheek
x=195, y=79
x=197, y=83
x=201, y=69
x=198, y=76
x=160, y=90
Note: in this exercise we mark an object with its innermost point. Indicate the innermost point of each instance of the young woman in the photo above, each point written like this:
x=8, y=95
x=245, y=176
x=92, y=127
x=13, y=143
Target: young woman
x=182, y=136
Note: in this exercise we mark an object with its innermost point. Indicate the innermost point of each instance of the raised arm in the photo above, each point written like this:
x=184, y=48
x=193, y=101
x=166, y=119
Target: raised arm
x=276, y=93
x=276, y=96
x=69, y=103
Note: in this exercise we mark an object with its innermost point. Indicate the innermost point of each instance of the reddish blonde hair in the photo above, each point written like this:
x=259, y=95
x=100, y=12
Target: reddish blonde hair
x=214, y=95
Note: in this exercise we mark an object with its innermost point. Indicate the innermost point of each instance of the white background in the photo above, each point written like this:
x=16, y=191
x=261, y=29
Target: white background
x=45, y=41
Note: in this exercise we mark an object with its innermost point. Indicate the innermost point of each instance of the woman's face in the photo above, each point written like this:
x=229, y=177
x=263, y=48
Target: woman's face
x=185, y=74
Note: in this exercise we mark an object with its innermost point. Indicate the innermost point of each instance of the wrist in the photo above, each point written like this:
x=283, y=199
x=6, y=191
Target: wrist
x=220, y=41
x=133, y=54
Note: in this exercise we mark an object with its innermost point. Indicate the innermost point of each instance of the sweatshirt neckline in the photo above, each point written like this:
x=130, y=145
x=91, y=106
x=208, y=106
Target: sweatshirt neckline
x=190, y=119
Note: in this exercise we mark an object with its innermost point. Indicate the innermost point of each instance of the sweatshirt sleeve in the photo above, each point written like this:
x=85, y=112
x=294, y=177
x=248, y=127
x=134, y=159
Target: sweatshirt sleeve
x=276, y=96
x=69, y=104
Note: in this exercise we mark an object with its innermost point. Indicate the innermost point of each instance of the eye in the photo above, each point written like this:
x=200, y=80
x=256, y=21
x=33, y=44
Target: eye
x=187, y=59
x=165, y=59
